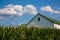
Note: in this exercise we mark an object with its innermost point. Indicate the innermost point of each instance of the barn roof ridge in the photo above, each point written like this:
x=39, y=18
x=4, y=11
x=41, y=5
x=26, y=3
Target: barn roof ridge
x=50, y=19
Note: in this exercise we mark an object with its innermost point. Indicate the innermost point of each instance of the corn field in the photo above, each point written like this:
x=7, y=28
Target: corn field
x=32, y=33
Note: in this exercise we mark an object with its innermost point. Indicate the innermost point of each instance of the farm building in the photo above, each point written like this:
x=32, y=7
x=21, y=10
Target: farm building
x=42, y=21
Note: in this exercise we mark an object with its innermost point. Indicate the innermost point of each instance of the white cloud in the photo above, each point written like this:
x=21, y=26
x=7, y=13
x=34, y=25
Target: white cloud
x=12, y=10
x=17, y=10
x=30, y=9
x=49, y=9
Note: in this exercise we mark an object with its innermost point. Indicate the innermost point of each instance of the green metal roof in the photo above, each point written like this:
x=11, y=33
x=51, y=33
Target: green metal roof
x=50, y=19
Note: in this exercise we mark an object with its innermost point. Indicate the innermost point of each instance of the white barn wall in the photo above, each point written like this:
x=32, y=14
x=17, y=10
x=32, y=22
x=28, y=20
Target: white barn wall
x=42, y=23
x=56, y=26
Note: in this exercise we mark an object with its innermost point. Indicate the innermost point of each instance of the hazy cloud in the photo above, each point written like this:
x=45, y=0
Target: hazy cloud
x=49, y=9
x=1, y=17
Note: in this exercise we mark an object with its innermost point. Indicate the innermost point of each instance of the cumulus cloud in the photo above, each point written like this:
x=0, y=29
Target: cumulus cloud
x=12, y=10
x=49, y=9
x=18, y=9
x=30, y=9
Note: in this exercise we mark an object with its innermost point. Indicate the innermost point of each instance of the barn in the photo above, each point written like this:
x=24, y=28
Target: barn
x=42, y=21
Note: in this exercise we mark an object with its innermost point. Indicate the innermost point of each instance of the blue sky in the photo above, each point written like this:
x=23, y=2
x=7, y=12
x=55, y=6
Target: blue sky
x=49, y=8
